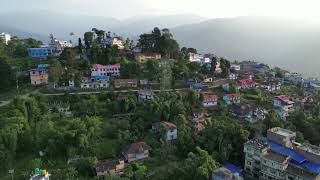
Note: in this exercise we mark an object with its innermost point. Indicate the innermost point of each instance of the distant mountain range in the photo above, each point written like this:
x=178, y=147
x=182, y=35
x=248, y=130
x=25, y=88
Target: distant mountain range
x=279, y=42
x=44, y=23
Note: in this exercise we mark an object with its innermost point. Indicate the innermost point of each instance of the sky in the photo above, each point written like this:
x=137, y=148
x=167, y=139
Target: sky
x=296, y=9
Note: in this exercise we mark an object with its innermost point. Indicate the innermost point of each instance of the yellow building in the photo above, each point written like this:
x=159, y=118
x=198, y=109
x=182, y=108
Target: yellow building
x=143, y=57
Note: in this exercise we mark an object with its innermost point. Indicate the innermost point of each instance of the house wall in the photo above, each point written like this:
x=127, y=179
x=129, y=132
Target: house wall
x=39, y=77
x=209, y=103
x=138, y=156
x=172, y=134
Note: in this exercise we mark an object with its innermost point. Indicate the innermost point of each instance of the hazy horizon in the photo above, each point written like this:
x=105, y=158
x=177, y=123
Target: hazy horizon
x=294, y=9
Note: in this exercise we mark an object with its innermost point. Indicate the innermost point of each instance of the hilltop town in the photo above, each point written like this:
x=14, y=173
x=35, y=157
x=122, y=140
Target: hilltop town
x=106, y=107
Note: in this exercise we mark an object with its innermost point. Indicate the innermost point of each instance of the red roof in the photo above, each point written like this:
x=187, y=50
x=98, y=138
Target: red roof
x=210, y=98
x=99, y=66
x=234, y=95
x=113, y=66
x=285, y=98
x=246, y=82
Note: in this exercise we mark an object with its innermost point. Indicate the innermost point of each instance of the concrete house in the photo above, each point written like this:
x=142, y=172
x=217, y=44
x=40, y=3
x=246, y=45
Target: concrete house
x=40, y=75
x=270, y=86
x=209, y=100
x=125, y=83
x=233, y=76
x=246, y=84
x=280, y=157
x=109, y=166
x=284, y=105
x=136, y=152
x=145, y=95
x=249, y=112
x=234, y=98
x=171, y=129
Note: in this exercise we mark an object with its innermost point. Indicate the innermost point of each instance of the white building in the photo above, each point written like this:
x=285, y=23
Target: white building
x=198, y=58
x=235, y=67
x=114, y=41
x=233, y=76
x=171, y=130
x=57, y=46
x=5, y=37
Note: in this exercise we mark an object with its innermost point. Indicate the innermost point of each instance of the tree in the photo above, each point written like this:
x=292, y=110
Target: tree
x=68, y=55
x=6, y=74
x=80, y=45
x=165, y=76
x=88, y=39
x=55, y=71
x=153, y=70
x=199, y=165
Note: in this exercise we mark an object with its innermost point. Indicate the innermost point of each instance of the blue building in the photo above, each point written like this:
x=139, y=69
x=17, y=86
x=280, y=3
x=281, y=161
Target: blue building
x=39, y=52
x=199, y=86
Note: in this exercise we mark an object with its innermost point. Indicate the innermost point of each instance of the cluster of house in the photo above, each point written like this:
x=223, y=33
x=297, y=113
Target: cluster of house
x=205, y=60
x=280, y=157
x=54, y=48
x=138, y=151
x=210, y=100
x=5, y=37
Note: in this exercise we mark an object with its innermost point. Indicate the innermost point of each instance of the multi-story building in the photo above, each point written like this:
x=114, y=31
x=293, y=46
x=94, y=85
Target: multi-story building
x=284, y=105
x=42, y=52
x=270, y=86
x=279, y=157
x=57, y=46
x=39, y=75
x=209, y=100
x=232, y=98
x=294, y=78
x=246, y=84
x=5, y=37
x=143, y=57
x=233, y=76
x=114, y=41
x=101, y=72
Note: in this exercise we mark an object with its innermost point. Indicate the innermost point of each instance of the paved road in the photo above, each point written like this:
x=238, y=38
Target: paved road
x=213, y=85
x=126, y=91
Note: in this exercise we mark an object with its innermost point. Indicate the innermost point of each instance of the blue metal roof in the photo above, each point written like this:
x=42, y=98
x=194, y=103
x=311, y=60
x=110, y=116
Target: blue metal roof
x=286, y=151
x=234, y=169
x=311, y=166
x=295, y=157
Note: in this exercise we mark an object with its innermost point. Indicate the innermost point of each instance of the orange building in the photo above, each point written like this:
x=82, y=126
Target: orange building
x=143, y=57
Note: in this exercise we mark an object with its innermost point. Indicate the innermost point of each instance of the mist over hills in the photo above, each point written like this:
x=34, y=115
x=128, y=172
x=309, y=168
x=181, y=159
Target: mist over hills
x=285, y=43
x=278, y=42
x=44, y=23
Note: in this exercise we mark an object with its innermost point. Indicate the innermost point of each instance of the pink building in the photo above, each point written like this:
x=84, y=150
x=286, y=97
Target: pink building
x=39, y=76
x=246, y=83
